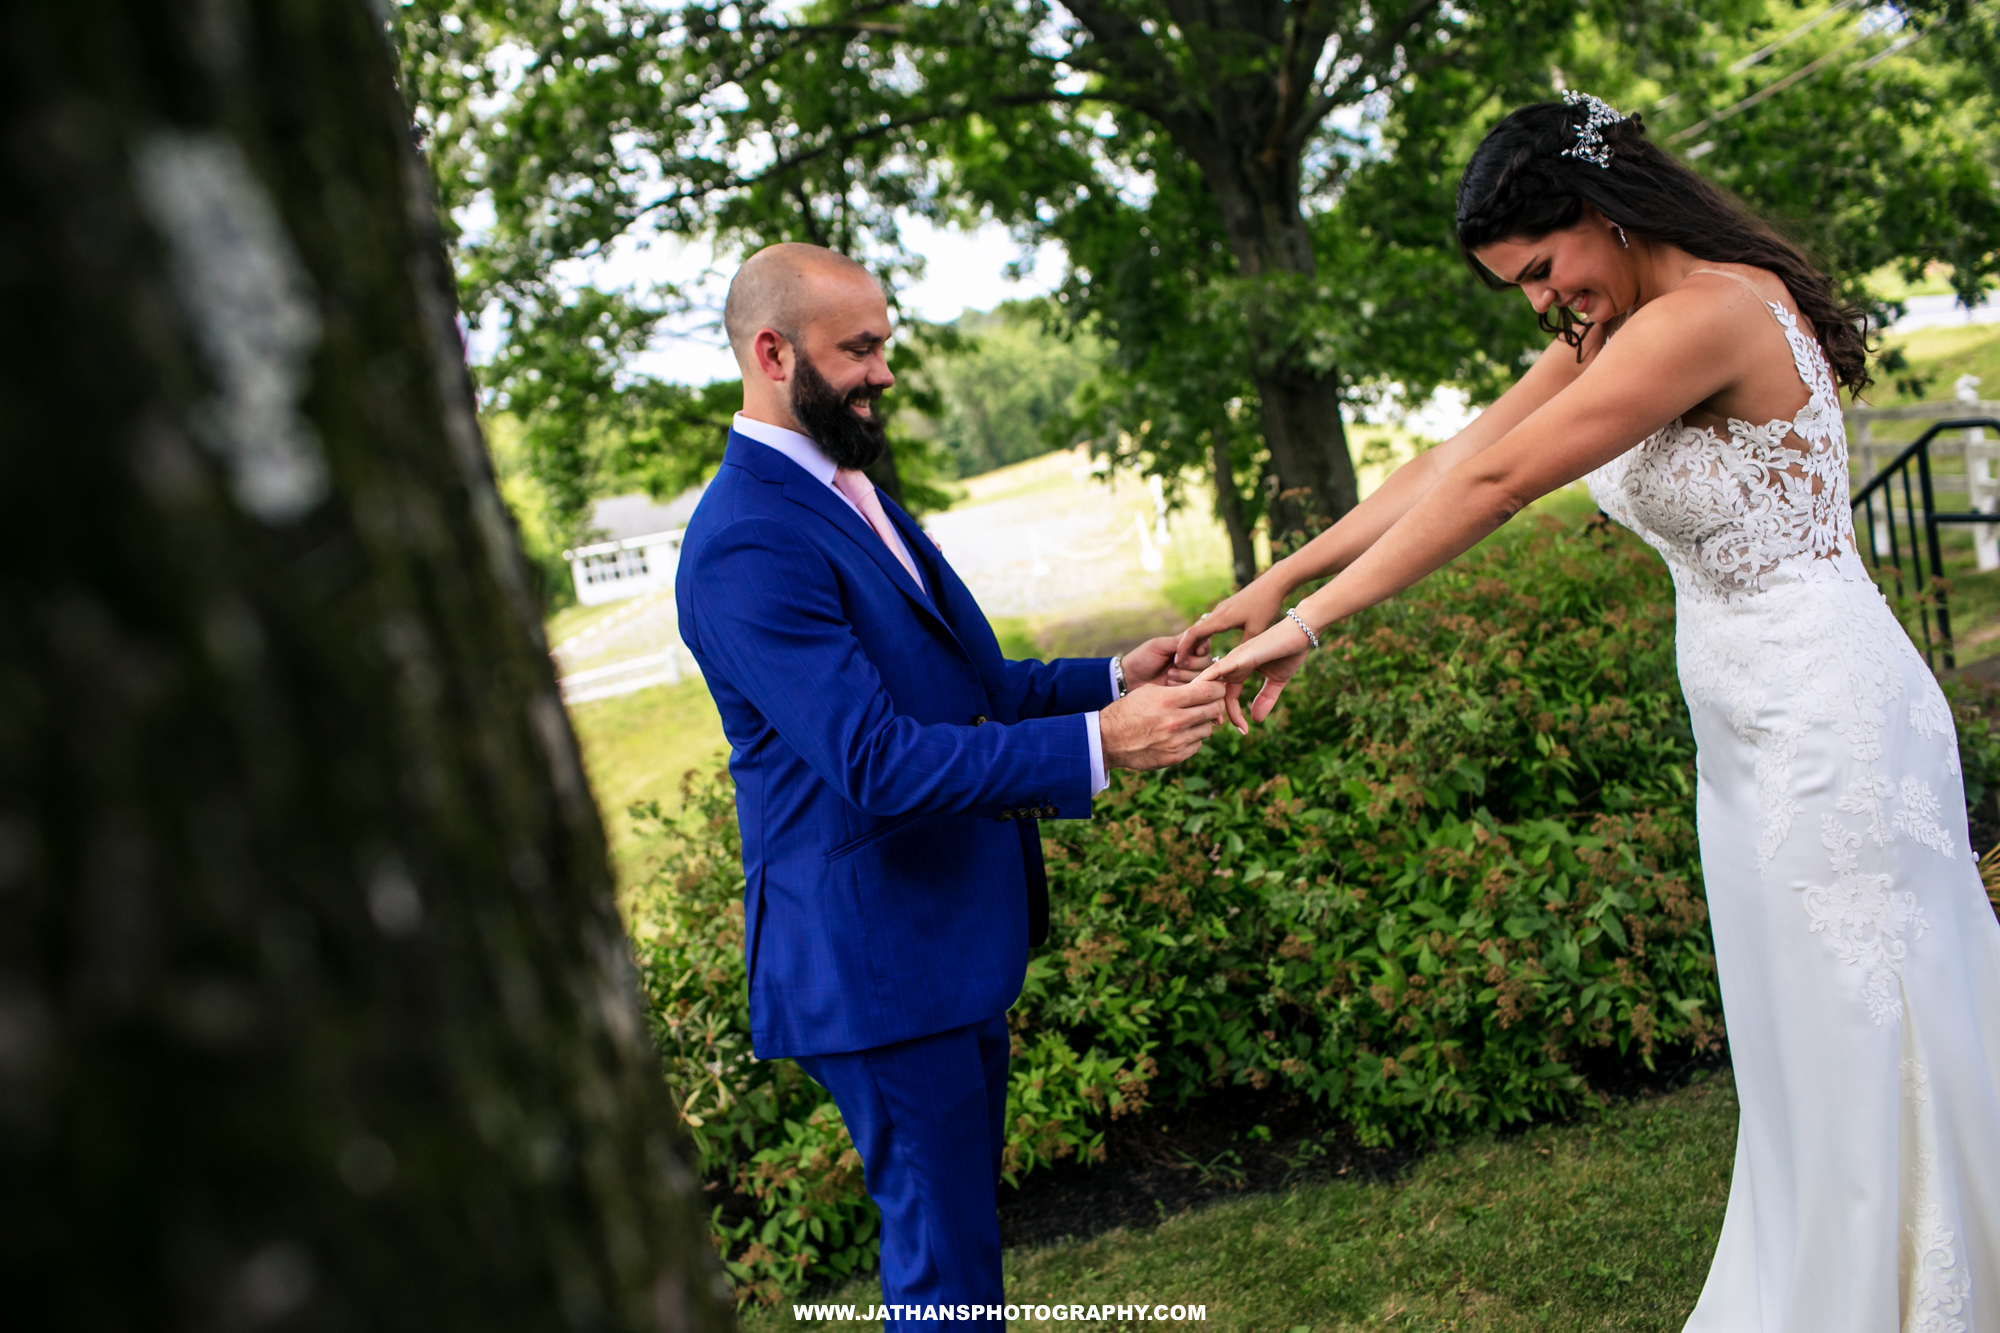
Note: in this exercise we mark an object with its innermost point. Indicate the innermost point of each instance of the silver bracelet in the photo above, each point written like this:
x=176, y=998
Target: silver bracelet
x=1118, y=674
x=1311, y=637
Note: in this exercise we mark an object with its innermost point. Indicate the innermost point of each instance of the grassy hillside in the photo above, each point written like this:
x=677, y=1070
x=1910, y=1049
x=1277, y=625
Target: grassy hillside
x=636, y=748
x=1938, y=356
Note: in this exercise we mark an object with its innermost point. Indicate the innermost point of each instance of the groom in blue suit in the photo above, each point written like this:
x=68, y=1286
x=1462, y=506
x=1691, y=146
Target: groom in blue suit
x=890, y=768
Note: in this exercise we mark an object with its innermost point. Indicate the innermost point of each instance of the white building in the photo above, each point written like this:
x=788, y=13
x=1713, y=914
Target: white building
x=639, y=550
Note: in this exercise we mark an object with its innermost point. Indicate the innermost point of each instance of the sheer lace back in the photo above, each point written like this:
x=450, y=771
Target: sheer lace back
x=1738, y=514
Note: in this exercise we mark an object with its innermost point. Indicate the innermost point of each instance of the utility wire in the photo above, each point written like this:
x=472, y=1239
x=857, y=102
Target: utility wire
x=1770, y=89
x=1891, y=49
x=1673, y=99
x=1747, y=61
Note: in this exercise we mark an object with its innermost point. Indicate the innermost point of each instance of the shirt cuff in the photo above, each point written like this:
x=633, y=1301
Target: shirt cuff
x=1099, y=779
x=1111, y=667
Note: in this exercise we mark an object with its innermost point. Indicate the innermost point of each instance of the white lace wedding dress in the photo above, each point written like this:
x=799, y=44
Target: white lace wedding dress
x=1858, y=956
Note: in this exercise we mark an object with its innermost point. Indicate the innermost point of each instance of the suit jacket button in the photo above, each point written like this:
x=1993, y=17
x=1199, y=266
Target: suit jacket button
x=980, y=719
x=1006, y=814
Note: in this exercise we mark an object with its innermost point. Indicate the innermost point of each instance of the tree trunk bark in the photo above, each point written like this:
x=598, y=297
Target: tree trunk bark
x=1314, y=474
x=1256, y=191
x=314, y=1005
x=1229, y=508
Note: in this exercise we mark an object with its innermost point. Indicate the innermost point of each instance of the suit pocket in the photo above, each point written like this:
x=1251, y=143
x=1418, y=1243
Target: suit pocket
x=874, y=835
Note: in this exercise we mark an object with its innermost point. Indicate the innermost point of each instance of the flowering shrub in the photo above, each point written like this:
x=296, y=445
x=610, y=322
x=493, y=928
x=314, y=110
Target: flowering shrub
x=1455, y=871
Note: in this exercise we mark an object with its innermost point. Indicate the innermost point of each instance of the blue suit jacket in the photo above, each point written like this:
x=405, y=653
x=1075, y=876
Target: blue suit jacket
x=886, y=758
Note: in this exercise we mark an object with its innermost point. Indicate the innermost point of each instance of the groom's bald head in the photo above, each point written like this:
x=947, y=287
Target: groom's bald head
x=785, y=288
x=810, y=329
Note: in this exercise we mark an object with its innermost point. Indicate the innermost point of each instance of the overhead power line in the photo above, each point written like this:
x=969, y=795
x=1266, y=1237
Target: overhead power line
x=1747, y=61
x=1891, y=49
x=1781, y=85
x=1673, y=99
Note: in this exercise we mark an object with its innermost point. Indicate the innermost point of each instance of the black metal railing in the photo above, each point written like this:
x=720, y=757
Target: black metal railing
x=1926, y=557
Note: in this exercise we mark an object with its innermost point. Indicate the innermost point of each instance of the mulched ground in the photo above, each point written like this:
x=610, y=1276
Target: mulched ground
x=1168, y=1162
x=1232, y=1142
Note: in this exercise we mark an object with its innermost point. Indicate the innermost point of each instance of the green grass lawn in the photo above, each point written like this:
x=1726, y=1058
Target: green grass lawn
x=1889, y=284
x=1601, y=1226
x=1938, y=356
x=636, y=747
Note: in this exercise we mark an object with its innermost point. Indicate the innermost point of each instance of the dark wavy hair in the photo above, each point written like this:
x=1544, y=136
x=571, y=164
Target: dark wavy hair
x=1519, y=185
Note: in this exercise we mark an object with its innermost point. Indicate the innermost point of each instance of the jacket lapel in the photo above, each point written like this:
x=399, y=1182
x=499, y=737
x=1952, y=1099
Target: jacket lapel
x=953, y=599
x=807, y=491
x=824, y=501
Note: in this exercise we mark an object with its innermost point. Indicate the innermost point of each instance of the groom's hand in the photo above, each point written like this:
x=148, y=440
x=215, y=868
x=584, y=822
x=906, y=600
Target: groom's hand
x=1152, y=663
x=1158, y=725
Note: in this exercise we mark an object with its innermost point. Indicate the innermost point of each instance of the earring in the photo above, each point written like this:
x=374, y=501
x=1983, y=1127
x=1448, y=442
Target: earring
x=1621, y=236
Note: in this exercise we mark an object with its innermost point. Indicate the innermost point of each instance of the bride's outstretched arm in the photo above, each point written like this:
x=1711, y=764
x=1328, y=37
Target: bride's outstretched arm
x=1672, y=356
x=1254, y=607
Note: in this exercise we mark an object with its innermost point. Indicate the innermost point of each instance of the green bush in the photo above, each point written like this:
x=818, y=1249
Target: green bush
x=1975, y=708
x=1463, y=857
x=1456, y=872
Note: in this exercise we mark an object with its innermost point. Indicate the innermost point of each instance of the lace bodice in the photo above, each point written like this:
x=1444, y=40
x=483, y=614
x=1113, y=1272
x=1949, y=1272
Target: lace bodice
x=1737, y=516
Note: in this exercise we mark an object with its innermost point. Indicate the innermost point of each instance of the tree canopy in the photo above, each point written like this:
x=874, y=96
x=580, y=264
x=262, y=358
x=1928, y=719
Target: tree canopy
x=1254, y=196
x=1007, y=388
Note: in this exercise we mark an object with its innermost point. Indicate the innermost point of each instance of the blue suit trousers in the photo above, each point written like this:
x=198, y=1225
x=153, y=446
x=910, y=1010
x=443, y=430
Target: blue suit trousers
x=929, y=1118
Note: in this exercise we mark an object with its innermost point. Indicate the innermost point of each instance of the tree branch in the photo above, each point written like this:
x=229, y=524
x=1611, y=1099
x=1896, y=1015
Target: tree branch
x=843, y=142
x=1131, y=52
x=1384, y=43
x=1287, y=82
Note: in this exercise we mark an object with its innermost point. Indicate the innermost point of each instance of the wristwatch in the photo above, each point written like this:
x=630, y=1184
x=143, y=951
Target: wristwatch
x=1118, y=674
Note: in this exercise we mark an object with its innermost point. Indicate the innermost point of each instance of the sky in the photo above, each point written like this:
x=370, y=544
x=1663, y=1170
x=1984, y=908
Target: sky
x=963, y=270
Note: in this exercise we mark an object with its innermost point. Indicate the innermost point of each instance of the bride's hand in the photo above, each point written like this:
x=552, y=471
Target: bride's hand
x=1250, y=609
x=1276, y=655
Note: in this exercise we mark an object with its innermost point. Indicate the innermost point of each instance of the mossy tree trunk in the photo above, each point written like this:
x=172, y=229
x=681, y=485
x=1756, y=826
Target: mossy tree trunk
x=315, y=1011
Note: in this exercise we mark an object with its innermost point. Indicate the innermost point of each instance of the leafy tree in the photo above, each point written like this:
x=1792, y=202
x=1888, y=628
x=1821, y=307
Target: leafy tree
x=1255, y=195
x=1881, y=153
x=1171, y=399
x=1007, y=389
x=727, y=119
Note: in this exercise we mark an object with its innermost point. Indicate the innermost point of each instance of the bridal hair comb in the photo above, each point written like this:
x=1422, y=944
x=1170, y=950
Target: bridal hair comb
x=1599, y=116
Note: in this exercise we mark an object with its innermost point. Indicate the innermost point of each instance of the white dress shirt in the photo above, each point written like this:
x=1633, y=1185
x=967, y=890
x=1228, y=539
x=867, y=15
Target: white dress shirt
x=805, y=451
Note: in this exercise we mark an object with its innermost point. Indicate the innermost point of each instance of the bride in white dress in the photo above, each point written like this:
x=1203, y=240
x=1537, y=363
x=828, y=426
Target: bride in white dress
x=1695, y=383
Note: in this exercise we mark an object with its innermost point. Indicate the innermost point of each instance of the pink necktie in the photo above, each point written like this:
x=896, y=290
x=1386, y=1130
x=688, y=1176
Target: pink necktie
x=854, y=484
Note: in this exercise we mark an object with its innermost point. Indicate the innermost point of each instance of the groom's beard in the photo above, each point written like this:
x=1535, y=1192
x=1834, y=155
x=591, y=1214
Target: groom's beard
x=828, y=416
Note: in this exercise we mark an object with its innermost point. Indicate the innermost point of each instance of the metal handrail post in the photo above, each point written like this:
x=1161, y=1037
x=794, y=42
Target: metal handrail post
x=1937, y=560
x=1930, y=547
x=1917, y=554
